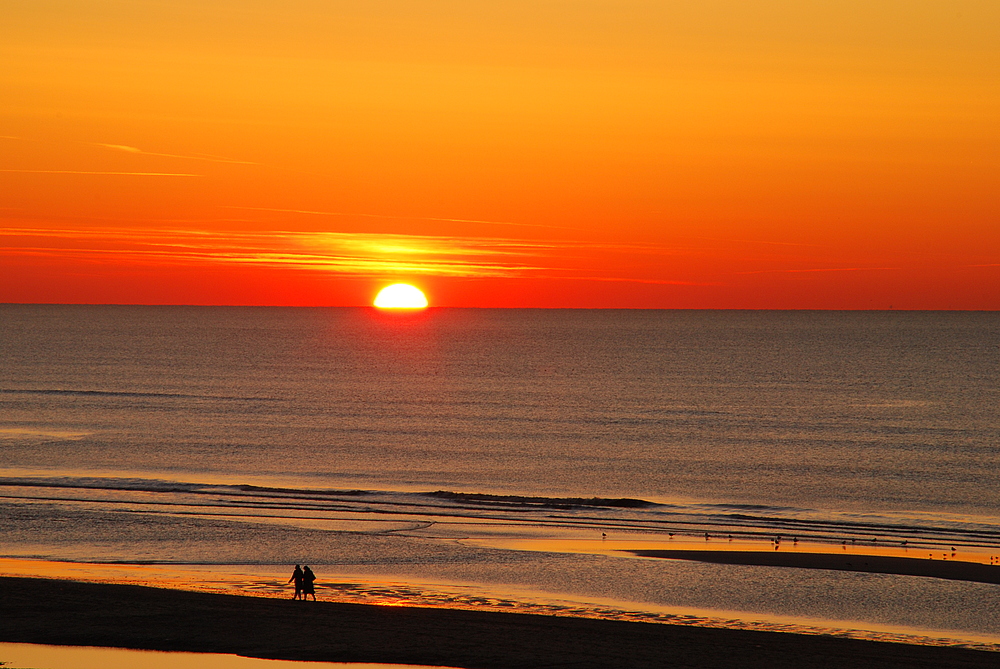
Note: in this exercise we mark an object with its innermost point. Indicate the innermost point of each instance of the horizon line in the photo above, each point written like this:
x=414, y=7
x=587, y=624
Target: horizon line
x=370, y=306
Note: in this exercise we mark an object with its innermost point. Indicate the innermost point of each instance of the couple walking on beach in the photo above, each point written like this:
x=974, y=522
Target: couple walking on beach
x=303, y=577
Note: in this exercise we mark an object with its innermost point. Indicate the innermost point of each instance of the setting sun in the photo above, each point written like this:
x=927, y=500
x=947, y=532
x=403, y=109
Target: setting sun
x=400, y=296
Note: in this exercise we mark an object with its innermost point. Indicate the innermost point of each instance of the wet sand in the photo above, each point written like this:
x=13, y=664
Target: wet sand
x=882, y=564
x=72, y=613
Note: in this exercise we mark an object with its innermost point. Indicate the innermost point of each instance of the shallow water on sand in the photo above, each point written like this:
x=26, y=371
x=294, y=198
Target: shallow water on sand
x=693, y=593
x=504, y=450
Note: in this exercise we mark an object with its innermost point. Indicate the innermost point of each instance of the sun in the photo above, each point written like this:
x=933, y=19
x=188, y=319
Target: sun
x=400, y=296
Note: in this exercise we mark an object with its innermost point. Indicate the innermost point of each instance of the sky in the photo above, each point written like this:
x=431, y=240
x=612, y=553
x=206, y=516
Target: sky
x=772, y=154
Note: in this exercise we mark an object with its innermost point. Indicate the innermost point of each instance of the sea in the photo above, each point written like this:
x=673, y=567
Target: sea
x=510, y=459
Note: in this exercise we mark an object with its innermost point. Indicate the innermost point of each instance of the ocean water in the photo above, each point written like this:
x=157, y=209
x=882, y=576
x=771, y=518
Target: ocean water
x=512, y=457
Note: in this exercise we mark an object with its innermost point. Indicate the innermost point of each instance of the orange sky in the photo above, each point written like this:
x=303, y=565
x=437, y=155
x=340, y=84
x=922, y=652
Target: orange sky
x=550, y=153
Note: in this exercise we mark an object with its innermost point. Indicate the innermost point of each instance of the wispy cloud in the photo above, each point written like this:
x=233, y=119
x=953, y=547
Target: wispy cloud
x=128, y=174
x=346, y=253
x=398, y=217
x=204, y=157
x=758, y=241
x=659, y=282
x=119, y=147
x=824, y=269
x=359, y=254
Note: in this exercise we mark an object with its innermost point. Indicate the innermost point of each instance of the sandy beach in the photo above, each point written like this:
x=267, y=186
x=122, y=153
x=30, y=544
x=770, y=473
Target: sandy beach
x=72, y=613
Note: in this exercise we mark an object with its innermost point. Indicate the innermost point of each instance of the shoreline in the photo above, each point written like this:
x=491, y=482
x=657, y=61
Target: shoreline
x=59, y=612
x=405, y=591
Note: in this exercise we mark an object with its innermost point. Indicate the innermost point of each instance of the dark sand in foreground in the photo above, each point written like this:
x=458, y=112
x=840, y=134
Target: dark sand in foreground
x=73, y=613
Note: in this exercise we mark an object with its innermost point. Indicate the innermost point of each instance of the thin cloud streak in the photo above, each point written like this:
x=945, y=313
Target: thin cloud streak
x=760, y=241
x=391, y=216
x=357, y=254
x=333, y=263
x=343, y=253
x=662, y=282
x=130, y=174
x=621, y=279
x=209, y=159
x=562, y=244
x=337, y=252
x=830, y=269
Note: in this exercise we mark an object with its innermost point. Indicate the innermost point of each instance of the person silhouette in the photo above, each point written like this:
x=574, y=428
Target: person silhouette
x=298, y=577
x=308, y=578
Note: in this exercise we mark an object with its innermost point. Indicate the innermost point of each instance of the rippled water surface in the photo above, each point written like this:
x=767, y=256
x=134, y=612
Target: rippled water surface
x=472, y=446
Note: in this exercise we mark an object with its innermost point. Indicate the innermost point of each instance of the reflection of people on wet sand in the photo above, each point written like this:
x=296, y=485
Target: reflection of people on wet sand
x=308, y=579
x=297, y=576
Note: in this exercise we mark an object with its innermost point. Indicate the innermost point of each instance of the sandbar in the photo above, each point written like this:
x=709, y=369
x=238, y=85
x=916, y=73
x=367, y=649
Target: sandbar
x=882, y=564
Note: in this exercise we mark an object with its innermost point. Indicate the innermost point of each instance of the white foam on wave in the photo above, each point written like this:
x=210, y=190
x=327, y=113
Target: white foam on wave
x=483, y=515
